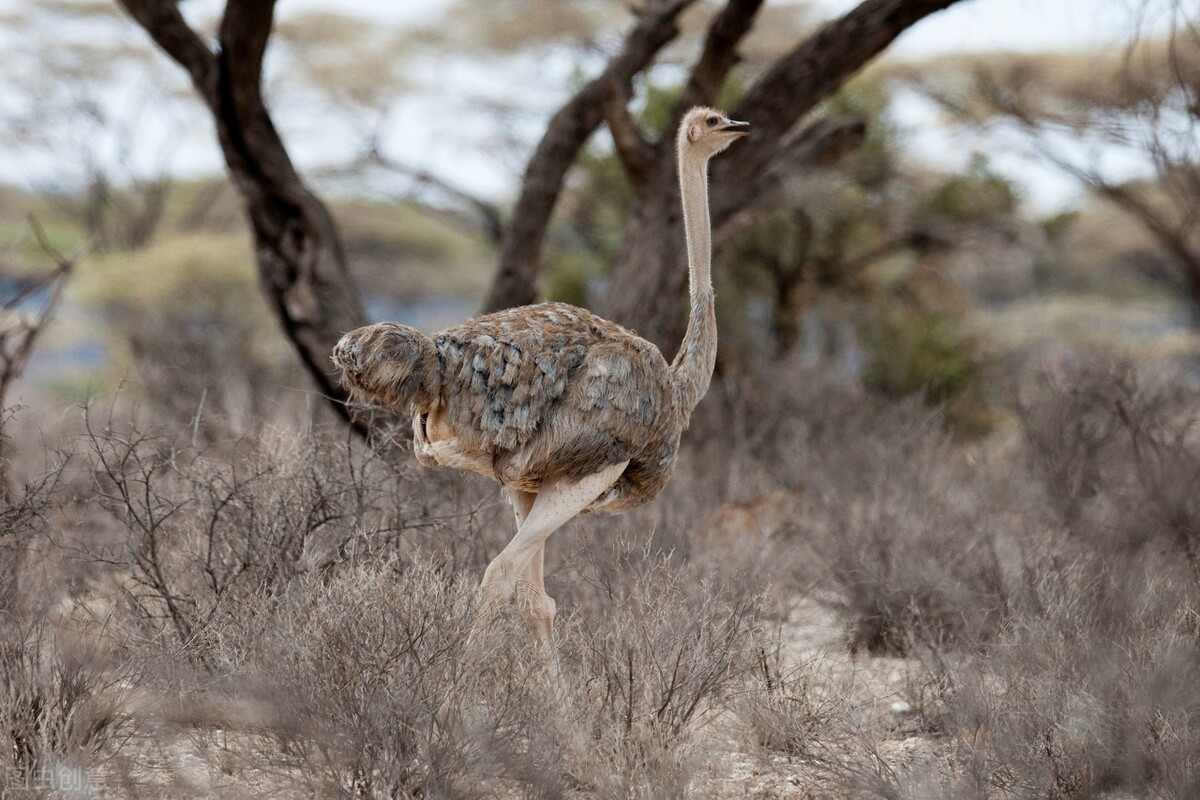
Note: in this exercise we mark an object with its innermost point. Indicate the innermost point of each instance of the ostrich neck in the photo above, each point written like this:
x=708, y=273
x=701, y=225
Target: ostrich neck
x=693, y=366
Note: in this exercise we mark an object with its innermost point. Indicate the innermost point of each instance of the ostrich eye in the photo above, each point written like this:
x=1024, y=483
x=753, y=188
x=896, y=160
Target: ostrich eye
x=712, y=121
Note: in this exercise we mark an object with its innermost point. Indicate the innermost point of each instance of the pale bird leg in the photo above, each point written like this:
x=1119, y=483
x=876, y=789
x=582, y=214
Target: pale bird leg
x=521, y=503
x=534, y=604
x=555, y=503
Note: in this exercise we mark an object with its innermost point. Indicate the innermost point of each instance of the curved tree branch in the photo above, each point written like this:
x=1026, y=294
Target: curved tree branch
x=170, y=31
x=521, y=250
x=635, y=152
x=301, y=264
x=808, y=74
x=716, y=59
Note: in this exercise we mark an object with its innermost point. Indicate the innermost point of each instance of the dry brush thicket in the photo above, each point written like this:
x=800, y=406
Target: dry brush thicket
x=286, y=613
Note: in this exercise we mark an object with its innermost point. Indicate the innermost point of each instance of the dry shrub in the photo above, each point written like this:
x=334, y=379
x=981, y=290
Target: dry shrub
x=655, y=650
x=913, y=537
x=205, y=530
x=372, y=665
x=61, y=709
x=373, y=661
x=327, y=593
x=59, y=697
x=782, y=710
x=1090, y=689
x=1094, y=694
x=1118, y=452
x=899, y=524
x=23, y=518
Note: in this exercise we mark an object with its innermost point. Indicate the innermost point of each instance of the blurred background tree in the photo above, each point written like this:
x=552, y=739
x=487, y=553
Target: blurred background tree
x=111, y=175
x=835, y=245
x=1081, y=112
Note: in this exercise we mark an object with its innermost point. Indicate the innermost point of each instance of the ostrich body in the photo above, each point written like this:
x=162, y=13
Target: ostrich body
x=571, y=413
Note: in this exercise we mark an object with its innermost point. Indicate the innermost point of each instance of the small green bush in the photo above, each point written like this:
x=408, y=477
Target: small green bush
x=926, y=352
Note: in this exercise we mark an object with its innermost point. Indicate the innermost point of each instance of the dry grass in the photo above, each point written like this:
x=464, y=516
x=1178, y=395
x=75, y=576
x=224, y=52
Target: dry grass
x=286, y=612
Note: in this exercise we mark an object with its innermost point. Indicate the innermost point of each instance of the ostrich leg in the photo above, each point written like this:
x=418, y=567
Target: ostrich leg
x=558, y=501
x=532, y=600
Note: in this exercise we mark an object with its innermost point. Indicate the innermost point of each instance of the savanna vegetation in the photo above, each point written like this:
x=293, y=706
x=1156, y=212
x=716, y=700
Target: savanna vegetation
x=935, y=530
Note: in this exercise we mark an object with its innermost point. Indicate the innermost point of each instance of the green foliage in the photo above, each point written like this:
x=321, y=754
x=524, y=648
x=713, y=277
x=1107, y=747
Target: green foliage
x=1056, y=226
x=976, y=195
x=572, y=274
x=405, y=251
x=581, y=251
x=922, y=351
x=20, y=252
x=186, y=317
x=821, y=239
x=196, y=273
x=873, y=163
x=202, y=204
x=197, y=285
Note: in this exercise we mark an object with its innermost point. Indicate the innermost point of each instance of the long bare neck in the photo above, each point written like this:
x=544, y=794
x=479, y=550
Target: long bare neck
x=693, y=366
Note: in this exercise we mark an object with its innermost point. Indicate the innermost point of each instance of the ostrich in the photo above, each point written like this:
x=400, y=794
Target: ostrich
x=571, y=413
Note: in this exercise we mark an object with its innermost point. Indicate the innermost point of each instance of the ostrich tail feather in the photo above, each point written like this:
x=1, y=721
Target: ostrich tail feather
x=391, y=365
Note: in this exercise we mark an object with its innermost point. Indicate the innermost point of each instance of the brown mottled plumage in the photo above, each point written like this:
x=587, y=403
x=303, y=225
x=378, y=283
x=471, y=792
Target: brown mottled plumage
x=551, y=394
x=538, y=391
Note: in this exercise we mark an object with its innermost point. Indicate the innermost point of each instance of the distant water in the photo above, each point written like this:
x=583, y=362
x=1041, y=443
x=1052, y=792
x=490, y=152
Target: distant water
x=31, y=304
x=426, y=314
x=1177, y=320
x=50, y=361
x=47, y=362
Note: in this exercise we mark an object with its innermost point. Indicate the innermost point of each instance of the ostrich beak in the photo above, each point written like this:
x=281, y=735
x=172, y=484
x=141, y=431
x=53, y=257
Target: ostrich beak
x=738, y=129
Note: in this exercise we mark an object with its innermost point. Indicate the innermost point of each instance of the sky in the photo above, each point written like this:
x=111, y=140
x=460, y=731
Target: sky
x=451, y=132
x=969, y=26
x=1026, y=25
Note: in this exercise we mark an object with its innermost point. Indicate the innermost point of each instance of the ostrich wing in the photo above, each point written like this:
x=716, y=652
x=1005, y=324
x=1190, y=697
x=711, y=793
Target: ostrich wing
x=552, y=389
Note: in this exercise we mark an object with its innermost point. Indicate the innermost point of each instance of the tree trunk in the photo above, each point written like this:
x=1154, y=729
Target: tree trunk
x=645, y=291
x=301, y=265
x=515, y=282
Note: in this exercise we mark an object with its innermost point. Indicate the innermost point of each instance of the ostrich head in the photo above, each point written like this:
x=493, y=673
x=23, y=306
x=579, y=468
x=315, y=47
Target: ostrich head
x=709, y=131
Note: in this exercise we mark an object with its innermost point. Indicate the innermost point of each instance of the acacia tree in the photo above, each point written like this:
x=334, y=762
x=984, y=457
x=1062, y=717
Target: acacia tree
x=1071, y=108
x=108, y=176
x=646, y=287
x=301, y=263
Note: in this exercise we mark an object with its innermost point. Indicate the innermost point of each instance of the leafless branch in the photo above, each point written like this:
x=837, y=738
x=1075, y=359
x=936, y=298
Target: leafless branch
x=463, y=209
x=818, y=144
x=19, y=333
